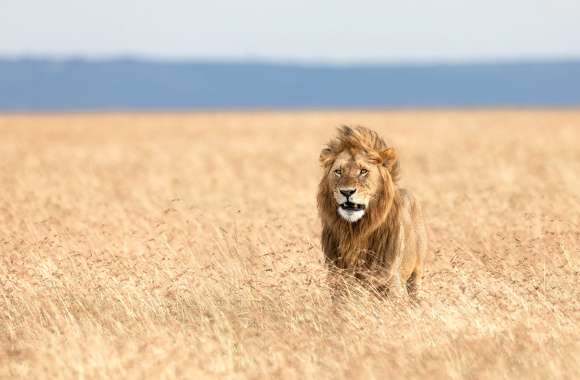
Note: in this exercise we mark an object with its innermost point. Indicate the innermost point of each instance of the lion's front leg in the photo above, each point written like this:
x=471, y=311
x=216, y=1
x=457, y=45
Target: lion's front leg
x=386, y=283
x=394, y=285
x=414, y=284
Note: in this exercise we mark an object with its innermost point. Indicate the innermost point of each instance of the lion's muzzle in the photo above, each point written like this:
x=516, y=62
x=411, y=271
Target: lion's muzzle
x=350, y=206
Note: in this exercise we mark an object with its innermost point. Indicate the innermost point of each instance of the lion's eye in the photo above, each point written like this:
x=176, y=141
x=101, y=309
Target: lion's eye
x=364, y=172
x=338, y=172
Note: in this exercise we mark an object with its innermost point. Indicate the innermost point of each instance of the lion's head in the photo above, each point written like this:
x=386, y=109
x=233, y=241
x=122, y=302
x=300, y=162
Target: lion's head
x=360, y=173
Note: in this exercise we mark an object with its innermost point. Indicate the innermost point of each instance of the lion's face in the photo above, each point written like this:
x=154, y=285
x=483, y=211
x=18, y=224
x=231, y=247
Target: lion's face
x=354, y=180
x=360, y=172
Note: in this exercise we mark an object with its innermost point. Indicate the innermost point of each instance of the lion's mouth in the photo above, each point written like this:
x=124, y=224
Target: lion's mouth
x=349, y=206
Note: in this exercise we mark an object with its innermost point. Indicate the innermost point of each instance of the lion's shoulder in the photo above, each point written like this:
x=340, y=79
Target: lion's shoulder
x=409, y=208
x=407, y=200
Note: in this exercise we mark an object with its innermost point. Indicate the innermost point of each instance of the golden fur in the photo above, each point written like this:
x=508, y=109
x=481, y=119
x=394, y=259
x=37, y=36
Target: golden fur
x=388, y=244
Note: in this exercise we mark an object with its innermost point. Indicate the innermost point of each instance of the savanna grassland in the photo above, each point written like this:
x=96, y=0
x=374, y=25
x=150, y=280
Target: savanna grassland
x=187, y=245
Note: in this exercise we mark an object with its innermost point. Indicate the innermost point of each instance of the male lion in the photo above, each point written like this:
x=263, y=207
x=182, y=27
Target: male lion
x=370, y=227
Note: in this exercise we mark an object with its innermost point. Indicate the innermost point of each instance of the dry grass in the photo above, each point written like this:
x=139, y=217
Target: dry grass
x=159, y=246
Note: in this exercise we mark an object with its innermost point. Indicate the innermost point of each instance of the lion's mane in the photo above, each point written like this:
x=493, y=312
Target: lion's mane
x=381, y=220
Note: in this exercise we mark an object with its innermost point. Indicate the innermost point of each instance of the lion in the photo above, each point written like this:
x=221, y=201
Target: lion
x=371, y=228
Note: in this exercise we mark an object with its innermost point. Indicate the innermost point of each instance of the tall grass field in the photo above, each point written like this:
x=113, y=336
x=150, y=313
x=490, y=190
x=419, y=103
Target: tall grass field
x=187, y=246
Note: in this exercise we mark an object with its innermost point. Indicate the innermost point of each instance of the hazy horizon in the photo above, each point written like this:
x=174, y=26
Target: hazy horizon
x=289, y=61
x=36, y=85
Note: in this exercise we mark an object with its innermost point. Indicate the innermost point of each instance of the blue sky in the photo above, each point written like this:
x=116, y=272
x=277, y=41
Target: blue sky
x=298, y=30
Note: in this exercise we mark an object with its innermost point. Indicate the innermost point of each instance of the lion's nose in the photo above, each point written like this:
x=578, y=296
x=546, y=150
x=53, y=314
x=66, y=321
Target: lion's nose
x=347, y=192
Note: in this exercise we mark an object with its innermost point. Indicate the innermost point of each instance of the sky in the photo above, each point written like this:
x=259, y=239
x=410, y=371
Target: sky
x=353, y=31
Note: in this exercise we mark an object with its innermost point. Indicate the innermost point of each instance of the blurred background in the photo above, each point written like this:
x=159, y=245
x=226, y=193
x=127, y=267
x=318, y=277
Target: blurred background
x=256, y=54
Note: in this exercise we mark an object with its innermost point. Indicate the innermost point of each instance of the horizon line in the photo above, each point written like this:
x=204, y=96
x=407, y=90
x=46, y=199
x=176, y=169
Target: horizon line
x=285, y=62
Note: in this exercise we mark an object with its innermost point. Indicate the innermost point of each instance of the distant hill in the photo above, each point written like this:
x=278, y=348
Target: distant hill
x=127, y=84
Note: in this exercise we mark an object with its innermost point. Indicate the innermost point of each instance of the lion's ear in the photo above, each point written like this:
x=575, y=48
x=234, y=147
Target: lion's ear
x=389, y=157
x=326, y=157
